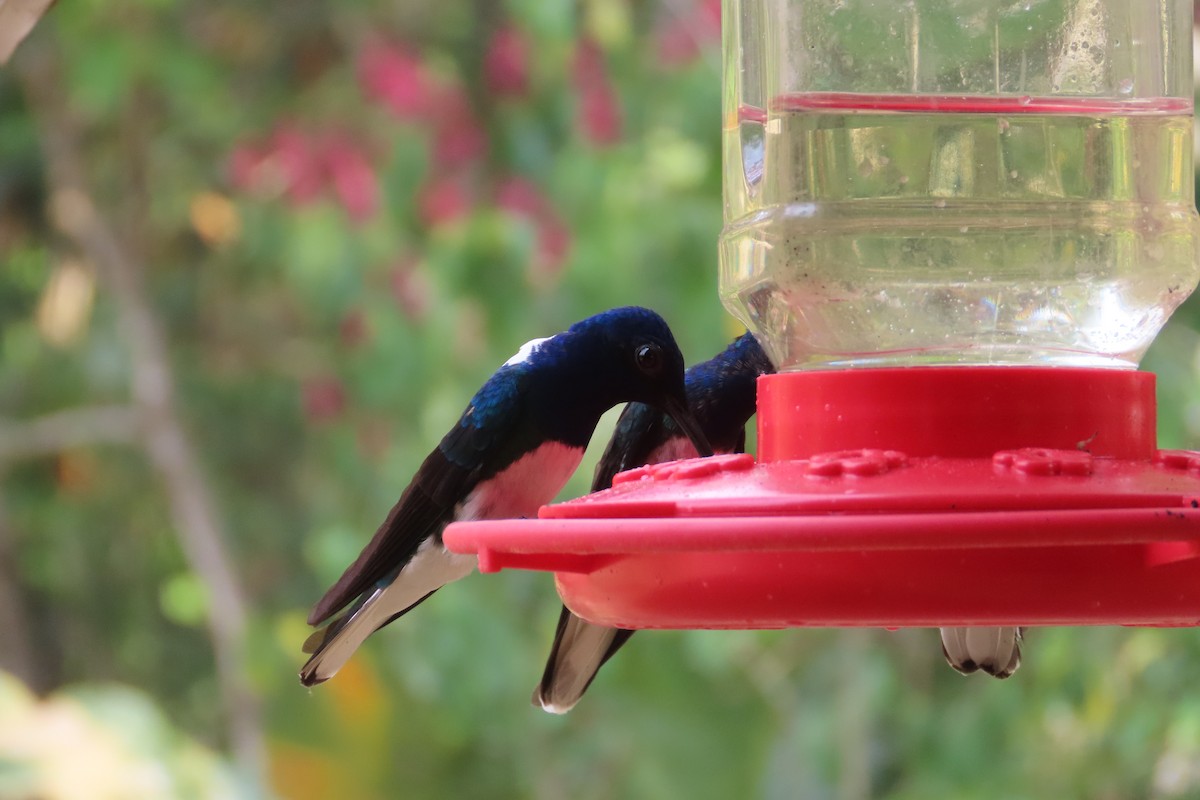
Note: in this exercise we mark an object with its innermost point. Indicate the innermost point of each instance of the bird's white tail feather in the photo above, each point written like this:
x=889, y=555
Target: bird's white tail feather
x=995, y=650
x=579, y=655
x=429, y=570
x=332, y=646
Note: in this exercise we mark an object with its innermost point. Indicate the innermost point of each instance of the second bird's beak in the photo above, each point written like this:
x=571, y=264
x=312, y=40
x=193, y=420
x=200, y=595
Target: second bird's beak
x=684, y=419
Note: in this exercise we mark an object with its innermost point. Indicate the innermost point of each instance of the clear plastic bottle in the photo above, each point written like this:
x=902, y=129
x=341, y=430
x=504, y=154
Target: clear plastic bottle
x=940, y=182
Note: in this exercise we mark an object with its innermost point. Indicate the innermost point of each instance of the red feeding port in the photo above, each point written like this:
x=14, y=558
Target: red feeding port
x=974, y=496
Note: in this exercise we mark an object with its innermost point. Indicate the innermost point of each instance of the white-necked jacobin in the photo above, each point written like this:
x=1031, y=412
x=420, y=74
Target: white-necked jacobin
x=721, y=396
x=513, y=449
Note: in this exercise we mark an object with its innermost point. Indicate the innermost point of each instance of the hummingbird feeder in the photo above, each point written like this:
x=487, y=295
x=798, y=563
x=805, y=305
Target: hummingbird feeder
x=955, y=226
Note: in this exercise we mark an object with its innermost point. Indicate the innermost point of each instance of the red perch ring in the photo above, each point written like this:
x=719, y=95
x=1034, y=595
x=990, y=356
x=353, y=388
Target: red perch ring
x=925, y=496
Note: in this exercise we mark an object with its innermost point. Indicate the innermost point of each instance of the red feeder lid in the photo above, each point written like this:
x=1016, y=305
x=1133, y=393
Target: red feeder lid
x=897, y=497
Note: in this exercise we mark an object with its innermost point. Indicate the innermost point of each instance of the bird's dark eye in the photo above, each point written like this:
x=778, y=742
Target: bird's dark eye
x=649, y=358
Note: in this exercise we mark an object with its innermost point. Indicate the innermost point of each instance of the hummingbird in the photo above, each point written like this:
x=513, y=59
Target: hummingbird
x=517, y=443
x=721, y=397
x=996, y=651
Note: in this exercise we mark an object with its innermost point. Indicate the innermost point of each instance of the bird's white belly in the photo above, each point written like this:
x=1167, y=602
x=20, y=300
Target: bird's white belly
x=528, y=484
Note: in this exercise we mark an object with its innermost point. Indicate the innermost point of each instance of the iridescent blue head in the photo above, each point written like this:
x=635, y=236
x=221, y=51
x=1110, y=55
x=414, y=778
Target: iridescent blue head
x=722, y=391
x=622, y=355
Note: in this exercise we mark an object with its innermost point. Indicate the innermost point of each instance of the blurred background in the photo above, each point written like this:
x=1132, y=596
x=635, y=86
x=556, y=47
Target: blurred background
x=254, y=259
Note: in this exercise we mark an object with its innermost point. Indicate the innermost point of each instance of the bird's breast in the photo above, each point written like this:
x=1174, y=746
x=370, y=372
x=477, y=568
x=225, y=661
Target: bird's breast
x=524, y=486
x=673, y=449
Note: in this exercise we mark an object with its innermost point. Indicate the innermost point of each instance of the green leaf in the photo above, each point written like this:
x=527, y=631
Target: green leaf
x=184, y=599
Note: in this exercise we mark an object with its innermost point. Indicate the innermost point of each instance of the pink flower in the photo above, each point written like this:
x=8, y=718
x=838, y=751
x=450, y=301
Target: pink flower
x=442, y=201
x=458, y=138
x=589, y=64
x=353, y=178
x=323, y=399
x=294, y=161
x=396, y=78
x=520, y=197
x=680, y=40
x=246, y=167
x=598, y=115
x=524, y=199
x=505, y=65
x=677, y=47
x=708, y=19
x=286, y=163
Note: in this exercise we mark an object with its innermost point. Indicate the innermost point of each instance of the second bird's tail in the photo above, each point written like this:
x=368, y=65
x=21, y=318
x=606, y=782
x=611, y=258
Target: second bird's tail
x=579, y=650
x=995, y=650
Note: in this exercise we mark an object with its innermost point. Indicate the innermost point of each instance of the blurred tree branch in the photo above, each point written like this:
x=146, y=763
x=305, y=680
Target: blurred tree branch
x=167, y=446
x=18, y=655
x=17, y=18
x=63, y=430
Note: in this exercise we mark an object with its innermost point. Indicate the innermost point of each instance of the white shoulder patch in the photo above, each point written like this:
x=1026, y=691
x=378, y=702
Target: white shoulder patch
x=527, y=350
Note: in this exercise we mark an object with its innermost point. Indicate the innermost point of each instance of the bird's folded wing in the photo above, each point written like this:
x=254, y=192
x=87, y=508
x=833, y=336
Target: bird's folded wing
x=638, y=431
x=448, y=474
x=422, y=511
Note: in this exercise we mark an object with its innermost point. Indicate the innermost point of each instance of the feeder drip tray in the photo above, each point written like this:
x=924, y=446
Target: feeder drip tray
x=924, y=496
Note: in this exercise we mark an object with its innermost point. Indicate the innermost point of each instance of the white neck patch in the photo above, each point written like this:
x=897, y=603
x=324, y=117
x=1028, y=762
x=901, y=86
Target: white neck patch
x=527, y=350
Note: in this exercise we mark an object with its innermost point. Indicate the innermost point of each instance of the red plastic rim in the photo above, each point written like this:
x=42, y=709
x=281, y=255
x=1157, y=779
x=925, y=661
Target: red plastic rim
x=976, y=496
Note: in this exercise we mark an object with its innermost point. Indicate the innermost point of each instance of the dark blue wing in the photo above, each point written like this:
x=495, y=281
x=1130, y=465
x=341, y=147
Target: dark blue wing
x=469, y=453
x=491, y=416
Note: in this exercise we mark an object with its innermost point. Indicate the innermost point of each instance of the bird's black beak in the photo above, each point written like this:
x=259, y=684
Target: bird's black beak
x=687, y=422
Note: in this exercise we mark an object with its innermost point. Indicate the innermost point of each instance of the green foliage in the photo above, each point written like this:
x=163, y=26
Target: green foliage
x=322, y=348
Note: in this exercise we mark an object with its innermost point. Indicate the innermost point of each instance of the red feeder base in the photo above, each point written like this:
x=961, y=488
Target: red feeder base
x=891, y=498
